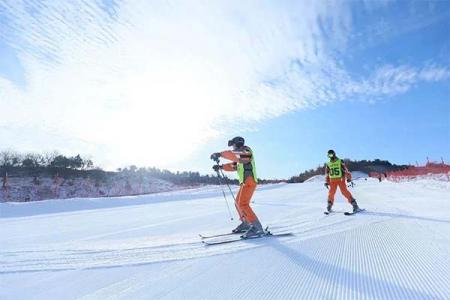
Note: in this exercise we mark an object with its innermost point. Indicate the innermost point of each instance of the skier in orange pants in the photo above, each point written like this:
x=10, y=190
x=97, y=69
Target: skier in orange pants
x=335, y=174
x=243, y=162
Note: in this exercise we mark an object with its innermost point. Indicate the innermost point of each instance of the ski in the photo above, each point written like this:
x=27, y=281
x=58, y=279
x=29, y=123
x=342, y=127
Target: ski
x=348, y=213
x=210, y=243
x=219, y=235
x=333, y=212
x=233, y=233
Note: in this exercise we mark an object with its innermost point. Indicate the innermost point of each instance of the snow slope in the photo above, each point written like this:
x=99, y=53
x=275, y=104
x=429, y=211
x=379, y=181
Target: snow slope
x=147, y=247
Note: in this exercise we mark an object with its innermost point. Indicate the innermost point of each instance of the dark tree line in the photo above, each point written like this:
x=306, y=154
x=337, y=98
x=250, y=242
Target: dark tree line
x=51, y=164
x=366, y=166
x=184, y=178
x=377, y=165
x=179, y=178
x=11, y=159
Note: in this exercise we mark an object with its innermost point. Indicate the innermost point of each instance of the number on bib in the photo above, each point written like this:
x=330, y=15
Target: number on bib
x=335, y=171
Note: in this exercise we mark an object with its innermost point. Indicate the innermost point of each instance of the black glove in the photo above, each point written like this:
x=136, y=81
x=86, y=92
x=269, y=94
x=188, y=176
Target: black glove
x=327, y=185
x=217, y=167
x=215, y=156
x=349, y=180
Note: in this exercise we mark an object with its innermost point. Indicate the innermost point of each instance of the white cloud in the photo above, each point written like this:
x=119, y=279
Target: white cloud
x=388, y=80
x=152, y=81
x=434, y=73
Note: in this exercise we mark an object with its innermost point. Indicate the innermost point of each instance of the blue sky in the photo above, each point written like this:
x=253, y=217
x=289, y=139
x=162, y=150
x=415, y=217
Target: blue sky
x=166, y=83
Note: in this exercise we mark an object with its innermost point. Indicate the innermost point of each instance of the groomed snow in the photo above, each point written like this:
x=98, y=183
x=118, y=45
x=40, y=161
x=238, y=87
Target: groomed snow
x=147, y=247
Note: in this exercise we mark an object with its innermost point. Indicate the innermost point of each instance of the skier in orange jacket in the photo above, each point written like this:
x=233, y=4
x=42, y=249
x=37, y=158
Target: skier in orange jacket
x=335, y=174
x=244, y=163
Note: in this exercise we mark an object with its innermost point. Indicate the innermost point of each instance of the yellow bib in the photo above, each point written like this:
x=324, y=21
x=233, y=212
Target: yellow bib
x=335, y=169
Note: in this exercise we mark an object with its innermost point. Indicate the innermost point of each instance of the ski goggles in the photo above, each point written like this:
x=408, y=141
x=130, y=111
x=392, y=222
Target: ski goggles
x=330, y=155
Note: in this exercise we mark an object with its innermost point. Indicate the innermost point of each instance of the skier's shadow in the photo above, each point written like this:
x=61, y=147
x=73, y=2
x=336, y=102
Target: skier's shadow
x=395, y=215
x=358, y=282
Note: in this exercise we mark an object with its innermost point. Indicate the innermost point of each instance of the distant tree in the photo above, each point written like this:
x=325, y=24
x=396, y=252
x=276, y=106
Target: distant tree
x=29, y=163
x=88, y=164
x=9, y=158
x=48, y=158
x=76, y=162
x=60, y=161
x=31, y=160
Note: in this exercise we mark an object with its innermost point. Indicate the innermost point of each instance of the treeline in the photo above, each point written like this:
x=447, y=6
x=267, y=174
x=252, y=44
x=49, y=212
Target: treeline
x=185, y=177
x=178, y=178
x=366, y=166
x=51, y=164
x=55, y=164
x=377, y=165
x=11, y=159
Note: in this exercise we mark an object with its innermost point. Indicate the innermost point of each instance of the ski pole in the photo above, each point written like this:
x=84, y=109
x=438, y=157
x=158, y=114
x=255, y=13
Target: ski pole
x=231, y=192
x=225, y=197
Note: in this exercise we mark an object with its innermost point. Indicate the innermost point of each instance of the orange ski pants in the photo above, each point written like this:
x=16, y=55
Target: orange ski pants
x=334, y=184
x=243, y=198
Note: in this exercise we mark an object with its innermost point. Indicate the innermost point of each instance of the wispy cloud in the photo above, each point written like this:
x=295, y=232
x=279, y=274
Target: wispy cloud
x=148, y=81
x=382, y=21
x=388, y=80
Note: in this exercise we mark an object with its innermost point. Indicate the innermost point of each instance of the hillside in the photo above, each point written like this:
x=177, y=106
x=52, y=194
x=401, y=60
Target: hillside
x=33, y=177
x=26, y=188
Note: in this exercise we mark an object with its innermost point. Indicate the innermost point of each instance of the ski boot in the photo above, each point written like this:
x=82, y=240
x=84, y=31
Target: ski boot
x=329, y=206
x=243, y=227
x=355, y=206
x=255, y=230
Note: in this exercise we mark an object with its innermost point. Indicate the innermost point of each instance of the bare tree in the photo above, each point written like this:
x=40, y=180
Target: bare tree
x=9, y=158
x=31, y=160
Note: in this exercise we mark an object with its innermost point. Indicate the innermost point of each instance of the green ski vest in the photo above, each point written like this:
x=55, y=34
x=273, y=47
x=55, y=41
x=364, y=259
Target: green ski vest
x=335, y=169
x=241, y=168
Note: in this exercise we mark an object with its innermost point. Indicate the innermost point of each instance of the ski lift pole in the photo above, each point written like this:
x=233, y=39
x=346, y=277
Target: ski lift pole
x=223, y=193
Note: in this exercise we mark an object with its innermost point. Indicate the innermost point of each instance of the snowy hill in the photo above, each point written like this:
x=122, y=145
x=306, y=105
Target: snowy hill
x=147, y=247
x=24, y=189
x=316, y=178
x=359, y=175
x=321, y=178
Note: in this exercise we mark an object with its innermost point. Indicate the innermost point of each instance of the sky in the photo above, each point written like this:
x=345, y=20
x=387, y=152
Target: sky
x=167, y=83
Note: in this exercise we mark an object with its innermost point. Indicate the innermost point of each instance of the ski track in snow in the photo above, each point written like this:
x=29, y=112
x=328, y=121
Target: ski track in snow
x=398, y=249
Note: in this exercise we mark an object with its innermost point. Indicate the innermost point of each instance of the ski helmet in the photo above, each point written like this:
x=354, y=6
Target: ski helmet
x=236, y=141
x=331, y=153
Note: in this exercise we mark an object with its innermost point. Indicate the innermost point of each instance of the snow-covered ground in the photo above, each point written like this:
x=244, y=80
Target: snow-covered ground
x=147, y=247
